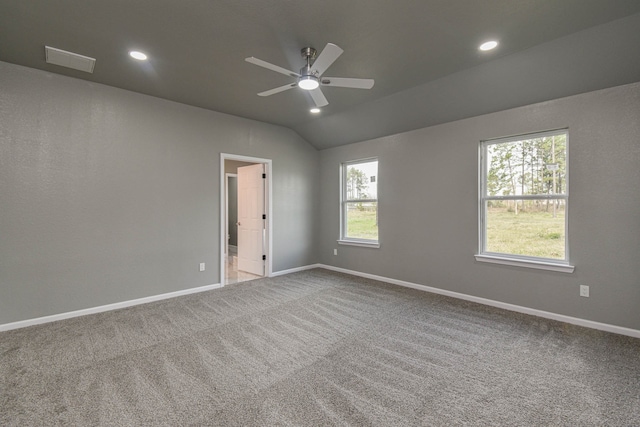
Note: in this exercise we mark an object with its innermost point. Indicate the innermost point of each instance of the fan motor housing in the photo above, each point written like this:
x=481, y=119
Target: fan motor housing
x=307, y=71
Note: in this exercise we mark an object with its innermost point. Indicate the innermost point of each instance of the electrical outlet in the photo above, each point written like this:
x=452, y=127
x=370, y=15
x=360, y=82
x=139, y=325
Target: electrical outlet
x=584, y=291
x=202, y=266
x=335, y=252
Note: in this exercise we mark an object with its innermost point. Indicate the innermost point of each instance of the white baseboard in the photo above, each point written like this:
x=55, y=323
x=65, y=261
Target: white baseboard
x=511, y=307
x=103, y=308
x=295, y=270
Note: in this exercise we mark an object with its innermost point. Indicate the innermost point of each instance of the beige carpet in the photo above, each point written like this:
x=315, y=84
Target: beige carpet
x=317, y=348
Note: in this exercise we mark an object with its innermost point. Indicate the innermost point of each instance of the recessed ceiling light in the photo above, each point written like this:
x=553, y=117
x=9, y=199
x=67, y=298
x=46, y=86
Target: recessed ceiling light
x=489, y=45
x=138, y=55
x=315, y=110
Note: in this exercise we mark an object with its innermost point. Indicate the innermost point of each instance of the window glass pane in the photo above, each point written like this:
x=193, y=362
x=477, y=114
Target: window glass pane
x=361, y=181
x=526, y=227
x=361, y=220
x=527, y=167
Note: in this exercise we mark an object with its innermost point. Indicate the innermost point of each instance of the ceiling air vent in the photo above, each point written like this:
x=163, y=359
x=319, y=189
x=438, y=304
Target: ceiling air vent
x=69, y=59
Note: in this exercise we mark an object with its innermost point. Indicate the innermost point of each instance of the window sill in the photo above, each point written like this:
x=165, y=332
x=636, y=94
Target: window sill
x=359, y=243
x=540, y=265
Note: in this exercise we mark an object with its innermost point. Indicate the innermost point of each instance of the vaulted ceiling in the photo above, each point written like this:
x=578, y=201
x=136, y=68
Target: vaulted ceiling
x=423, y=54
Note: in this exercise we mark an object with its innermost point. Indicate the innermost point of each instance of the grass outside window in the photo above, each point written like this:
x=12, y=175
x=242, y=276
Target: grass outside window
x=362, y=221
x=527, y=233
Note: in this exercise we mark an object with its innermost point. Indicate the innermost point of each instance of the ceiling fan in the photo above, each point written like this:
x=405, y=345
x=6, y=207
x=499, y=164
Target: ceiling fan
x=310, y=76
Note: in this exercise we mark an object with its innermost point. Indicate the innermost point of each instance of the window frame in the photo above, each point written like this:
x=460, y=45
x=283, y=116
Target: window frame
x=552, y=264
x=354, y=241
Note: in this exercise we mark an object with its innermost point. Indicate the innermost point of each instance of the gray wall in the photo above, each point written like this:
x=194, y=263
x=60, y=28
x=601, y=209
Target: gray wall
x=108, y=195
x=428, y=192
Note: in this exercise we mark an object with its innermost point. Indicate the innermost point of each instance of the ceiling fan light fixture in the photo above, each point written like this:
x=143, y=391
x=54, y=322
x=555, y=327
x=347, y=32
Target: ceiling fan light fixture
x=311, y=77
x=308, y=82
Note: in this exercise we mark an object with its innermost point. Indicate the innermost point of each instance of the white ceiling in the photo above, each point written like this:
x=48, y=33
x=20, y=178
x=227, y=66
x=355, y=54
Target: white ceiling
x=422, y=54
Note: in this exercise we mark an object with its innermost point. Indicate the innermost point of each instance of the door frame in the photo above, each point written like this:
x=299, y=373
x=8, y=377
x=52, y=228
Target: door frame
x=268, y=197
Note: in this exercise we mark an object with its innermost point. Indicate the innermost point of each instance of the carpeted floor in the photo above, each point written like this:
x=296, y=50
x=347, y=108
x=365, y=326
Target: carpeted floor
x=317, y=348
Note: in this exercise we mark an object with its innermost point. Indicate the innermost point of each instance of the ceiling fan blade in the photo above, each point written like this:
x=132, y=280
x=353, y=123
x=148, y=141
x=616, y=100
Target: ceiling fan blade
x=347, y=82
x=278, y=89
x=269, y=66
x=318, y=98
x=329, y=54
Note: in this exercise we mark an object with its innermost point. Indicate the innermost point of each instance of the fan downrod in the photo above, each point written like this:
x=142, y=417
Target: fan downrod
x=308, y=53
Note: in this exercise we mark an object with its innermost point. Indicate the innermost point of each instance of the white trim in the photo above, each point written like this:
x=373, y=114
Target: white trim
x=529, y=197
x=269, y=201
x=524, y=136
x=511, y=307
x=363, y=244
x=483, y=197
x=343, y=200
x=295, y=270
x=103, y=308
x=131, y=303
x=540, y=265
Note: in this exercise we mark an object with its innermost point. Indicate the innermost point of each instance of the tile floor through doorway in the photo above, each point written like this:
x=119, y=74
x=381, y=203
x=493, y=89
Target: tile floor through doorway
x=233, y=275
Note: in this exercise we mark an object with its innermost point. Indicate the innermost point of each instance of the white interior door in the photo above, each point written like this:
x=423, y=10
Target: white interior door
x=251, y=222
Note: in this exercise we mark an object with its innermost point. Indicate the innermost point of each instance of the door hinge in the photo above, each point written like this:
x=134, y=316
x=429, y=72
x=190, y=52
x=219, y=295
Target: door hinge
x=264, y=216
x=264, y=257
x=264, y=176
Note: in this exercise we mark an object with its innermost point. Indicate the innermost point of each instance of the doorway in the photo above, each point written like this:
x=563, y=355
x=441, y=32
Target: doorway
x=245, y=201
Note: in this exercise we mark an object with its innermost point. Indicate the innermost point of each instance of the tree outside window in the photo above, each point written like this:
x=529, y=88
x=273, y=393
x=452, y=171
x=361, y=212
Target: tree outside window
x=524, y=196
x=360, y=201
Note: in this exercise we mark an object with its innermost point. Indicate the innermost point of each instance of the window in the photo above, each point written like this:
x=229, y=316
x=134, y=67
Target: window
x=359, y=218
x=523, y=201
